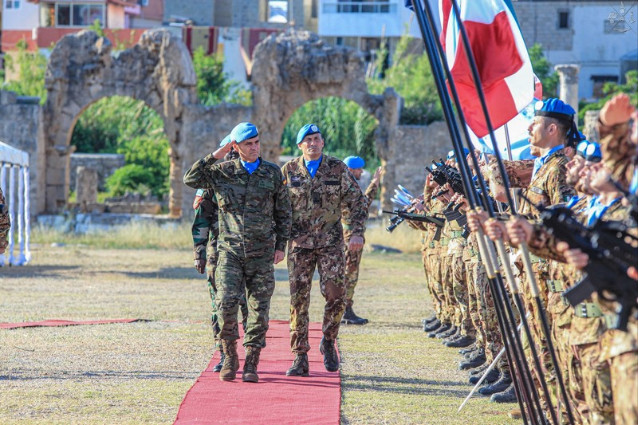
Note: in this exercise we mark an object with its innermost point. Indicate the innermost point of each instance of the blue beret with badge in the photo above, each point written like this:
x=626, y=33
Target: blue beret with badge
x=307, y=130
x=593, y=152
x=243, y=131
x=451, y=155
x=581, y=148
x=354, y=162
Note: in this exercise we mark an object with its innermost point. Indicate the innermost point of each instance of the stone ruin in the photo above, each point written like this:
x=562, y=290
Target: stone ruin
x=290, y=69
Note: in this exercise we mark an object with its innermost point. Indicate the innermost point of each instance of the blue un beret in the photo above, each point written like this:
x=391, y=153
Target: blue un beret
x=225, y=141
x=243, y=131
x=306, y=130
x=581, y=148
x=451, y=155
x=555, y=108
x=354, y=162
x=593, y=152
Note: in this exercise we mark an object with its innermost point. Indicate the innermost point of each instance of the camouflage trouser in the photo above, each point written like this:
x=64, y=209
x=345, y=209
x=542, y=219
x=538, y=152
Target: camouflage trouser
x=474, y=300
x=624, y=377
x=594, y=402
x=353, y=259
x=301, y=266
x=447, y=282
x=253, y=278
x=212, y=290
x=435, y=280
x=461, y=293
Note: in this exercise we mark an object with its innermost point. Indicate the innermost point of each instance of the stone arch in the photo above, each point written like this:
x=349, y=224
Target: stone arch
x=82, y=69
x=296, y=67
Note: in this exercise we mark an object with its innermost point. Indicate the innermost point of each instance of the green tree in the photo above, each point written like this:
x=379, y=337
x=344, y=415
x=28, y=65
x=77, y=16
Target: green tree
x=543, y=70
x=31, y=67
x=346, y=128
x=213, y=84
x=610, y=89
x=411, y=77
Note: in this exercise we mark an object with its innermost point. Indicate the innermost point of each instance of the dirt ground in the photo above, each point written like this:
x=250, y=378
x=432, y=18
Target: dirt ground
x=138, y=373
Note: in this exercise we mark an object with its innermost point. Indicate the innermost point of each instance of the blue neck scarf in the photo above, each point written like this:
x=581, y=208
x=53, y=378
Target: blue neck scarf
x=597, y=210
x=313, y=166
x=633, y=187
x=538, y=162
x=250, y=166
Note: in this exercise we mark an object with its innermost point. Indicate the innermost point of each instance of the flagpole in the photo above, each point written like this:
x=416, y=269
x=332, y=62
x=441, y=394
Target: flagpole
x=523, y=246
x=492, y=271
x=509, y=156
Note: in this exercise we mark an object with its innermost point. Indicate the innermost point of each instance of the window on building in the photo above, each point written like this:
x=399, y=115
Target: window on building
x=563, y=19
x=313, y=9
x=277, y=11
x=12, y=4
x=599, y=84
x=359, y=6
x=70, y=15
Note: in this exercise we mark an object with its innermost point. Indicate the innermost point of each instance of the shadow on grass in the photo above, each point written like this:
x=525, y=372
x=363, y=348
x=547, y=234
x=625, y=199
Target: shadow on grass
x=394, y=384
x=35, y=271
x=164, y=273
x=101, y=374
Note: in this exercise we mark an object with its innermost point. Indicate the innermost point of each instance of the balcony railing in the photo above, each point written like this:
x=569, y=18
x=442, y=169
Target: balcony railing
x=359, y=7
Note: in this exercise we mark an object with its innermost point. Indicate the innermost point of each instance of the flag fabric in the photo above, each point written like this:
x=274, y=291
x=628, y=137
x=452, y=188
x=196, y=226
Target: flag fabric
x=501, y=57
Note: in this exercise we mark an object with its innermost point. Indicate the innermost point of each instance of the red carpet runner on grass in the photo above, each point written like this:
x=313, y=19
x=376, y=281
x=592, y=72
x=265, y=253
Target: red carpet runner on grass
x=277, y=399
x=63, y=323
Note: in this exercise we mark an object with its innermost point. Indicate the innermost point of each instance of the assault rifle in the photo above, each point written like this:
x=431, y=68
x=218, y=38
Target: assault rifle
x=442, y=174
x=610, y=255
x=401, y=215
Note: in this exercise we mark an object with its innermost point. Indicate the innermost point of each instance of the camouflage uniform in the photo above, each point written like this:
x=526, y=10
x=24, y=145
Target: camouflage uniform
x=5, y=224
x=205, y=230
x=254, y=221
x=353, y=258
x=320, y=205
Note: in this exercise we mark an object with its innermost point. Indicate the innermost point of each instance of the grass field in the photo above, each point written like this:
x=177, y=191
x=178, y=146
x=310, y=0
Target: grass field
x=138, y=373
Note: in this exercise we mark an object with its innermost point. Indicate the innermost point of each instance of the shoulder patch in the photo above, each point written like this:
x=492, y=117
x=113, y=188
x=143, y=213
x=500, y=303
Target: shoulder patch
x=198, y=198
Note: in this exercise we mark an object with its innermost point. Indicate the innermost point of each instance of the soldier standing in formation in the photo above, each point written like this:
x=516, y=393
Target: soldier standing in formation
x=355, y=165
x=323, y=194
x=5, y=224
x=254, y=226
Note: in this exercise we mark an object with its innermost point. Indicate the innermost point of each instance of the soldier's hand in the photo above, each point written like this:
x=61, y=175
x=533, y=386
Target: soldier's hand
x=377, y=174
x=519, y=230
x=632, y=272
x=355, y=243
x=475, y=220
x=617, y=110
x=495, y=230
x=574, y=257
x=279, y=256
x=200, y=265
x=223, y=151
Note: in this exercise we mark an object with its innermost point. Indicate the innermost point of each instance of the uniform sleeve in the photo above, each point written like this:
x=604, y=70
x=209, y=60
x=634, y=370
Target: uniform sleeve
x=202, y=226
x=282, y=213
x=5, y=223
x=543, y=244
x=199, y=175
x=371, y=192
x=558, y=191
x=354, y=207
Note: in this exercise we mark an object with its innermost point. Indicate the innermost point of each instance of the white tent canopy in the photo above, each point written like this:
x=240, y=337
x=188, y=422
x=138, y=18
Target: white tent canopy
x=14, y=182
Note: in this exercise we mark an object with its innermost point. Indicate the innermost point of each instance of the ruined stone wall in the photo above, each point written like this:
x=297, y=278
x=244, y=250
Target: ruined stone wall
x=20, y=127
x=104, y=164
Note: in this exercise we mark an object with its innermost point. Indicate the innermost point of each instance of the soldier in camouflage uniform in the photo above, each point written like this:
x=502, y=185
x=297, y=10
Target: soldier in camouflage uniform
x=5, y=224
x=205, y=231
x=254, y=226
x=324, y=195
x=353, y=257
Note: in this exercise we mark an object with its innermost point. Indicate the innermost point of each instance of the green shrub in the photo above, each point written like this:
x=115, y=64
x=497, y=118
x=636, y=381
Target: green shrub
x=130, y=178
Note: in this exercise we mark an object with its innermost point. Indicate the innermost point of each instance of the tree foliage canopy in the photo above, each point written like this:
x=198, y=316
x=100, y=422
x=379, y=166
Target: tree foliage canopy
x=31, y=67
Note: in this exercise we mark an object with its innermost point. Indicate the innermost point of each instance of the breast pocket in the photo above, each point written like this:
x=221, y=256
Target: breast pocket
x=332, y=192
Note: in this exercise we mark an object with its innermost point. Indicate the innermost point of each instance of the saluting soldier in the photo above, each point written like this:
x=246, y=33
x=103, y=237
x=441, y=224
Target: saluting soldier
x=254, y=226
x=324, y=194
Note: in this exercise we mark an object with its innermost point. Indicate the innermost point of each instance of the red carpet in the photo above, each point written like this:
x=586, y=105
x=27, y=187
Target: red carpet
x=277, y=398
x=63, y=323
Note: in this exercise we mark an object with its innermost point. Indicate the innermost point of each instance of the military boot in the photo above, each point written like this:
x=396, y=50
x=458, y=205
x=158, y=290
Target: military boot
x=299, y=366
x=428, y=320
x=492, y=376
x=429, y=327
x=462, y=341
x=351, y=318
x=469, y=349
x=474, y=361
x=219, y=365
x=447, y=333
x=330, y=357
x=250, y=364
x=443, y=327
x=502, y=384
x=231, y=361
x=507, y=396
x=452, y=337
